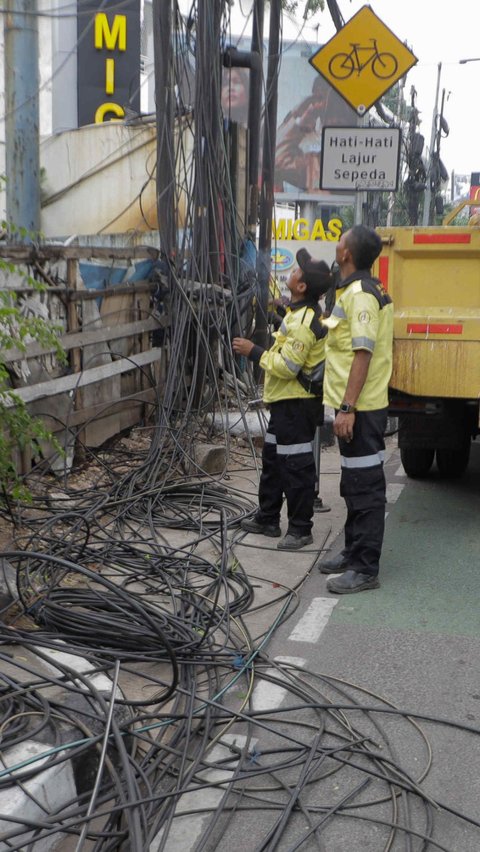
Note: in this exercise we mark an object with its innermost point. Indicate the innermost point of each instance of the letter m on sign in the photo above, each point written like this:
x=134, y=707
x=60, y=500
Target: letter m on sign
x=116, y=37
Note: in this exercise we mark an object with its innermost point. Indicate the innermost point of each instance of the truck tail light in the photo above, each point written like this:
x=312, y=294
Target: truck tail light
x=434, y=328
x=383, y=271
x=445, y=239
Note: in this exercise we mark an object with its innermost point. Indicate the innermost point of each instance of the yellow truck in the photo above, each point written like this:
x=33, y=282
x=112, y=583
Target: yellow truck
x=433, y=276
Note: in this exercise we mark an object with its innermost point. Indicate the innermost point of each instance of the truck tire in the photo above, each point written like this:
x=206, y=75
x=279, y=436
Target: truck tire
x=452, y=463
x=417, y=461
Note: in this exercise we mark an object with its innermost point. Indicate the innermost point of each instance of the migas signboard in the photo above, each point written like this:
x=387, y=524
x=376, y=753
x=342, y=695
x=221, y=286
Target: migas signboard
x=108, y=60
x=290, y=235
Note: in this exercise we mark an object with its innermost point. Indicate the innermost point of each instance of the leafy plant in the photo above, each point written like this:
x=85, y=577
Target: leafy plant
x=310, y=7
x=19, y=431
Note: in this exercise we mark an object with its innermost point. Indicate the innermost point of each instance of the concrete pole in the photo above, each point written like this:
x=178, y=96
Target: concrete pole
x=391, y=196
x=163, y=67
x=22, y=114
x=254, y=116
x=268, y=176
x=427, y=202
x=360, y=194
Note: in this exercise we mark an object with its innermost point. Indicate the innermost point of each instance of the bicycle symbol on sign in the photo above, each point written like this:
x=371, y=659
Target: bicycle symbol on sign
x=342, y=65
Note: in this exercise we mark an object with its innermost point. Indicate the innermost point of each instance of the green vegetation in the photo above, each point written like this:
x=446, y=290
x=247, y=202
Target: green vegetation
x=310, y=7
x=18, y=430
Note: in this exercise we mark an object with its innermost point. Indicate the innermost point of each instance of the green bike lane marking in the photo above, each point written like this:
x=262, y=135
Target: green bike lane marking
x=430, y=570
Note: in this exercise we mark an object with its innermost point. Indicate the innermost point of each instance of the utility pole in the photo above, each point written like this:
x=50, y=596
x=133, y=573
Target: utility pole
x=268, y=176
x=400, y=100
x=416, y=180
x=22, y=114
x=163, y=68
x=254, y=115
x=360, y=195
x=208, y=136
x=427, y=203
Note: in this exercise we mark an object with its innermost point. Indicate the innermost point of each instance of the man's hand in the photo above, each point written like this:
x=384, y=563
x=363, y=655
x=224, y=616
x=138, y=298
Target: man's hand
x=242, y=346
x=343, y=425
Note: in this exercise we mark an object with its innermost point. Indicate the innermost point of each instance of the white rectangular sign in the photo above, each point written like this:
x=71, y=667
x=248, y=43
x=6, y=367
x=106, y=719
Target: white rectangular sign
x=360, y=158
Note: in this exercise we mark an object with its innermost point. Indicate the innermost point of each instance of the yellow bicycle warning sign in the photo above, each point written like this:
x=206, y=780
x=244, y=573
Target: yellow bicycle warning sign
x=363, y=60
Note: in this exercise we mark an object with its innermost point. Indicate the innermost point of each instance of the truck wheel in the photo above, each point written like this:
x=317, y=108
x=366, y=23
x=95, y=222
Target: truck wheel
x=452, y=463
x=416, y=461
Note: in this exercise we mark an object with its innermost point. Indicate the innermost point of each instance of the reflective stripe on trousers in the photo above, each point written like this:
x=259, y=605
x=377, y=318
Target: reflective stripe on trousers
x=289, y=449
x=363, y=487
x=363, y=461
x=288, y=464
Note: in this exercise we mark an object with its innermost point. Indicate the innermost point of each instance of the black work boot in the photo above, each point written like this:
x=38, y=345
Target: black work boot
x=351, y=582
x=294, y=542
x=253, y=526
x=336, y=565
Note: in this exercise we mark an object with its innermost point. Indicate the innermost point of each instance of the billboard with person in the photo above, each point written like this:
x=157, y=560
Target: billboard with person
x=306, y=104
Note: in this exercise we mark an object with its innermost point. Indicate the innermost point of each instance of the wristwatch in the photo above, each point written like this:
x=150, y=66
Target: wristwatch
x=346, y=408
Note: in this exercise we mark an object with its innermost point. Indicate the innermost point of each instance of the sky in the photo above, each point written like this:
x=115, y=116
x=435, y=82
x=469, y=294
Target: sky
x=436, y=33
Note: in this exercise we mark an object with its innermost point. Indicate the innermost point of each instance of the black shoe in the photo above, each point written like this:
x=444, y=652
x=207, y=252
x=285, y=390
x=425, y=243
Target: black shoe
x=294, y=542
x=336, y=565
x=251, y=525
x=351, y=582
x=320, y=506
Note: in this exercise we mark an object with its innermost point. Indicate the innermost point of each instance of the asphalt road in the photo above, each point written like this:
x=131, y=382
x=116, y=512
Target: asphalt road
x=404, y=662
x=416, y=641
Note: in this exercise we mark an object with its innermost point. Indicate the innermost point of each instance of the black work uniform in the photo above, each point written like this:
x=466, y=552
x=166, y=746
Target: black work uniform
x=362, y=319
x=288, y=463
x=363, y=487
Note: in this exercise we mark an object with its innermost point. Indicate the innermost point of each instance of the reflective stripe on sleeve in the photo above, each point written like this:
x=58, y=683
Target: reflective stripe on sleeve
x=295, y=368
x=294, y=449
x=338, y=312
x=270, y=438
x=363, y=461
x=283, y=328
x=363, y=343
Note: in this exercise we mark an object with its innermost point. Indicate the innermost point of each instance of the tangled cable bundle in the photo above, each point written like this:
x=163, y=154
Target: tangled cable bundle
x=194, y=506
x=322, y=768
x=130, y=672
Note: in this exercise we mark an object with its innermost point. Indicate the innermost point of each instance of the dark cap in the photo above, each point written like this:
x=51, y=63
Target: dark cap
x=315, y=272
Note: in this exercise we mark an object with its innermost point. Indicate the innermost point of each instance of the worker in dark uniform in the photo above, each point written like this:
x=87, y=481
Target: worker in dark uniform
x=293, y=368
x=357, y=372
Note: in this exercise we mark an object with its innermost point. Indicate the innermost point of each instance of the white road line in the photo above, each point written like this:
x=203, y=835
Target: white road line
x=267, y=695
x=394, y=489
x=185, y=830
x=313, y=621
x=99, y=681
x=294, y=661
x=400, y=471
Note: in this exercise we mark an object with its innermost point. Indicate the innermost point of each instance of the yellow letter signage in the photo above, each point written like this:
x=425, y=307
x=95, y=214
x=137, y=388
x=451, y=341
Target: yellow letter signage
x=108, y=61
